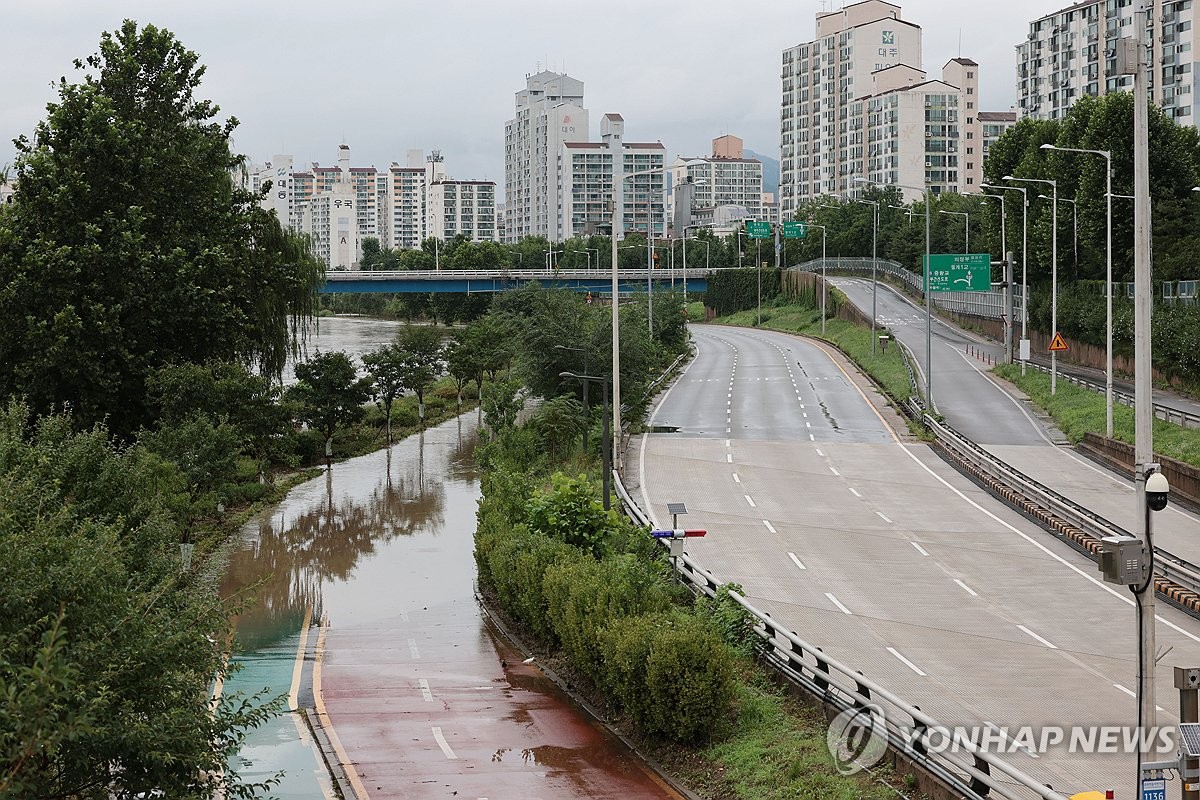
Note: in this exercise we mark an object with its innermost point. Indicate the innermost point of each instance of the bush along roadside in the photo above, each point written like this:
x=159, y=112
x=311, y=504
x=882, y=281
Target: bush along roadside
x=595, y=596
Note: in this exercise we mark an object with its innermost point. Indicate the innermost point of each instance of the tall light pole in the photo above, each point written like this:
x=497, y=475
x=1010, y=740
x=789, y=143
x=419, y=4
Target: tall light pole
x=966, y=227
x=1108, y=297
x=1143, y=397
x=1053, y=271
x=1075, y=227
x=823, y=289
x=619, y=186
x=1008, y=305
x=924, y=190
x=874, y=262
x=1024, y=264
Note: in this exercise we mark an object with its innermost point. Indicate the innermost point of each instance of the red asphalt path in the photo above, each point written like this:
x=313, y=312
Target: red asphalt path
x=424, y=708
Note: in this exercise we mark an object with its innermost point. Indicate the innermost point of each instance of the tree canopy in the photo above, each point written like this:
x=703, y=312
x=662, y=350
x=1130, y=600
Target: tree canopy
x=130, y=245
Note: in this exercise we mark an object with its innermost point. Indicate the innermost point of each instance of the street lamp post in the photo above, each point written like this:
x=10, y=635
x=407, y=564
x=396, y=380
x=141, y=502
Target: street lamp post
x=1075, y=227
x=924, y=190
x=874, y=204
x=966, y=215
x=1024, y=261
x=616, y=320
x=1008, y=292
x=586, y=416
x=1108, y=332
x=1053, y=271
x=823, y=290
x=604, y=432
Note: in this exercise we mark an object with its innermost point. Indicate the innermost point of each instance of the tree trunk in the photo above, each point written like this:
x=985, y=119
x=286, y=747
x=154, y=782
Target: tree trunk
x=328, y=451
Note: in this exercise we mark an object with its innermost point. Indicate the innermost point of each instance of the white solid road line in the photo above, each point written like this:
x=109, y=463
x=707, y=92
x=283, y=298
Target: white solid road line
x=770, y=527
x=1131, y=693
x=1046, y=642
x=968, y=589
x=441, y=740
x=797, y=561
x=425, y=692
x=750, y=500
x=920, y=549
x=906, y=662
x=838, y=603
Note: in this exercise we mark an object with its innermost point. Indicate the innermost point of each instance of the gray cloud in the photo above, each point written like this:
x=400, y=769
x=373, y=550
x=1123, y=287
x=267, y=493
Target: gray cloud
x=385, y=77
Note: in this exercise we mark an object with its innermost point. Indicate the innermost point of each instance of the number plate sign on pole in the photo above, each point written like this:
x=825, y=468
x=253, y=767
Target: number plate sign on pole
x=758, y=230
x=1154, y=789
x=795, y=230
x=960, y=272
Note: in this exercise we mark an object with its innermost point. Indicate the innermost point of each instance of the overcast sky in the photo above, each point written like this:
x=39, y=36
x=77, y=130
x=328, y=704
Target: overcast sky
x=386, y=76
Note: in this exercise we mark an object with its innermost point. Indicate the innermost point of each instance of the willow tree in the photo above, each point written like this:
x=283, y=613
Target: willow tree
x=132, y=244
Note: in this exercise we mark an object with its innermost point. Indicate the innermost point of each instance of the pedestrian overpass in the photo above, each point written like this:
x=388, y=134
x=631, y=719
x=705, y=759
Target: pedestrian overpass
x=629, y=281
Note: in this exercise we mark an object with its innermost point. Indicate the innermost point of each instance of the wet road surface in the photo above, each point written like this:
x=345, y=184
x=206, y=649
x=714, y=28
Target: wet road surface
x=424, y=700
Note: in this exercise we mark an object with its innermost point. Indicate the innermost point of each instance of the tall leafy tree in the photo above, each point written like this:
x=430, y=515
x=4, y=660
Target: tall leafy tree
x=419, y=352
x=329, y=394
x=129, y=244
x=385, y=366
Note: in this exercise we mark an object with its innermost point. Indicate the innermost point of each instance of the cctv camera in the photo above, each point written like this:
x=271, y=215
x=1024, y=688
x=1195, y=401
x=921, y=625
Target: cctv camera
x=1157, y=490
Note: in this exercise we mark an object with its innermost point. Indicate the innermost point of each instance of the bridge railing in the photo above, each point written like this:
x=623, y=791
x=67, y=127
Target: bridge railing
x=660, y=274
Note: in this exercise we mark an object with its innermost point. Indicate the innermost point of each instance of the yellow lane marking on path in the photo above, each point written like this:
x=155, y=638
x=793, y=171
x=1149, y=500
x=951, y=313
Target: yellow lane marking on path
x=356, y=783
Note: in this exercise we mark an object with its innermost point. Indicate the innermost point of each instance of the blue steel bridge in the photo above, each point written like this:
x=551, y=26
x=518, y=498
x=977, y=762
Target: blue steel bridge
x=630, y=281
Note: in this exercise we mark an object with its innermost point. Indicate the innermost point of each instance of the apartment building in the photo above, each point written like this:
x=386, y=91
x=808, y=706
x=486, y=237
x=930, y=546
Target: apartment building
x=857, y=104
x=400, y=206
x=589, y=170
x=995, y=124
x=1072, y=53
x=722, y=179
x=549, y=112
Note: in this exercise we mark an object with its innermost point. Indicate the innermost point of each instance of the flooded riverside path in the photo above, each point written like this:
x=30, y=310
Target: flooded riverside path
x=408, y=685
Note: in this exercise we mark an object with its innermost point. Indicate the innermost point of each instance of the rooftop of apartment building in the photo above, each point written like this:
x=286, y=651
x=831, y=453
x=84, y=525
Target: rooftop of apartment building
x=997, y=116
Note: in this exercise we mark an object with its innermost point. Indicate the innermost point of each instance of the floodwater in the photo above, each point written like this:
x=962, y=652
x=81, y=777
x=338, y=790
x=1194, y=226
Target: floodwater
x=426, y=699
x=352, y=335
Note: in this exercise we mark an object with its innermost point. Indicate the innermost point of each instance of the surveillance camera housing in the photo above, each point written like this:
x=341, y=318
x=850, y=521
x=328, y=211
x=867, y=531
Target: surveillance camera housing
x=1157, y=491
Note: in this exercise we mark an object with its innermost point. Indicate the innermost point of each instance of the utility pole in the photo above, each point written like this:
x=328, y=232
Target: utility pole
x=1143, y=411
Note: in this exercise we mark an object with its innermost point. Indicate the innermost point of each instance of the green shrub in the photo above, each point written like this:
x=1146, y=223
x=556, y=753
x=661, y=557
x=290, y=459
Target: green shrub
x=585, y=596
x=729, y=619
x=672, y=674
x=572, y=511
x=516, y=564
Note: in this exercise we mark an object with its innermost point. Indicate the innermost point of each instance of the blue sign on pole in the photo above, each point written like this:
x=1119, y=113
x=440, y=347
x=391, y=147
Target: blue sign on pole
x=1154, y=789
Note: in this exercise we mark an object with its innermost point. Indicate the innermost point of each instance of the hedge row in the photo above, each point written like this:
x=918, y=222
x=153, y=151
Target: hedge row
x=612, y=614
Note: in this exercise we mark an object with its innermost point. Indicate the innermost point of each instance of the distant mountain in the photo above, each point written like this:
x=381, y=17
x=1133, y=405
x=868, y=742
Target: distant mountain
x=770, y=170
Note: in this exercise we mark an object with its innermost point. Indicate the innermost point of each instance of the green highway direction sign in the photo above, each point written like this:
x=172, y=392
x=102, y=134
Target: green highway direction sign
x=758, y=230
x=960, y=272
x=795, y=230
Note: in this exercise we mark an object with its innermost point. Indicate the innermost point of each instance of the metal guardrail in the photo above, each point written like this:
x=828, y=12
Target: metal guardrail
x=1170, y=566
x=662, y=274
x=1185, y=419
x=907, y=727
x=989, y=304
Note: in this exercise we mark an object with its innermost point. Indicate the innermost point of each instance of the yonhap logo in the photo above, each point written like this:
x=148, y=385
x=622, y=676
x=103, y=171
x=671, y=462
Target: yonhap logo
x=857, y=739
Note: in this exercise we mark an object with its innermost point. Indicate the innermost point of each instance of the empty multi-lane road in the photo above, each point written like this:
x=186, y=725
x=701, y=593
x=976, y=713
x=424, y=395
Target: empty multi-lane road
x=870, y=546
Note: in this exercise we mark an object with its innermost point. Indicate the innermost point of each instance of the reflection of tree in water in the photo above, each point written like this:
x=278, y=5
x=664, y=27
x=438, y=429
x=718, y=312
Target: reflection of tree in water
x=462, y=456
x=294, y=557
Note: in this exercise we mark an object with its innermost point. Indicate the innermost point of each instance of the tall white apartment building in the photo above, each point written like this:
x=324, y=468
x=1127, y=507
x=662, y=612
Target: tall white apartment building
x=820, y=80
x=549, y=112
x=1072, y=52
x=856, y=104
x=587, y=173
x=466, y=208
x=726, y=178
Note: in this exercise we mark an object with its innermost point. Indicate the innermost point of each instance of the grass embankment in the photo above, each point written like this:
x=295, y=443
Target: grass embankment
x=886, y=367
x=1079, y=411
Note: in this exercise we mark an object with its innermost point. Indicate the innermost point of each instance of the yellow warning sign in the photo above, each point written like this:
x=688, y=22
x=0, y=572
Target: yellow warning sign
x=1059, y=344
